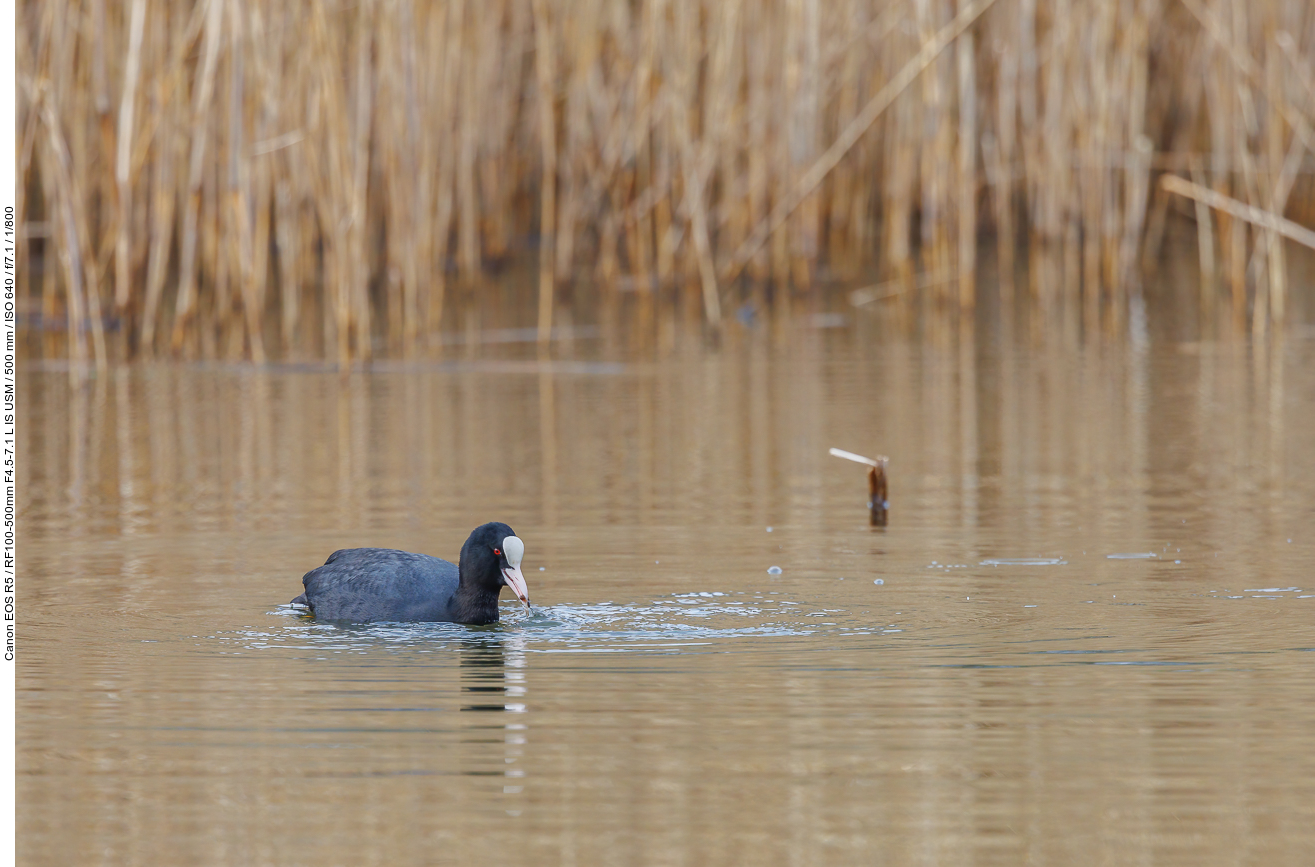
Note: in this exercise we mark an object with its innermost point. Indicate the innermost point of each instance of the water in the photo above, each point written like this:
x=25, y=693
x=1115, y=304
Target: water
x=1083, y=638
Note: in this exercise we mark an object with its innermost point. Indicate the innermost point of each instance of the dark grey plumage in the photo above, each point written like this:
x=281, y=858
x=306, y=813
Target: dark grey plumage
x=381, y=584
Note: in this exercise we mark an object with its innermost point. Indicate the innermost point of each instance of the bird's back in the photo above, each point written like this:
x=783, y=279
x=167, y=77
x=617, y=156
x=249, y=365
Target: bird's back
x=381, y=584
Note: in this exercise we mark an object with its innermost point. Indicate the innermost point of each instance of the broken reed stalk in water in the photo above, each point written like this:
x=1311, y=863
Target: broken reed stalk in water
x=878, y=498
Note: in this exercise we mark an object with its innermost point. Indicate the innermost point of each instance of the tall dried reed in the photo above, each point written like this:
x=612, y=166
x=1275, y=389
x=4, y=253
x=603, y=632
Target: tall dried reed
x=234, y=178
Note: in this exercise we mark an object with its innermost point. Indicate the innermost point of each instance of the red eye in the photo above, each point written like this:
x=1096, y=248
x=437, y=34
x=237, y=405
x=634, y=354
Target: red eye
x=497, y=553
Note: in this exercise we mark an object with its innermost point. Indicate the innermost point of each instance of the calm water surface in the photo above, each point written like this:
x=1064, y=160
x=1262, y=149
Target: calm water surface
x=1085, y=636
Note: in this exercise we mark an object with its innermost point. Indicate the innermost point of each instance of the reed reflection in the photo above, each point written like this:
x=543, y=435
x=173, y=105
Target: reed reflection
x=492, y=676
x=299, y=460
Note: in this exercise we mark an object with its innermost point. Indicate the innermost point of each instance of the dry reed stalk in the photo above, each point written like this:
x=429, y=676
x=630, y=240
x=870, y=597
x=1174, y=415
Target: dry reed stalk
x=1232, y=41
x=289, y=261
x=878, y=497
x=843, y=216
x=262, y=234
x=689, y=134
x=967, y=180
x=694, y=161
x=1295, y=156
x=204, y=87
x=506, y=36
x=1190, y=104
x=758, y=69
x=449, y=28
x=1237, y=54
x=930, y=50
x=123, y=158
x=28, y=122
x=1288, y=45
x=1027, y=99
x=936, y=166
x=1251, y=186
x=1205, y=245
x=723, y=86
x=409, y=184
x=163, y=196
x=215, y=296
x=625, y=157
x=397, y=144
x=1240, y=210
x=1136, y=191
x=1051, y=177
x=327, y=169
x=71, y=249
x=103, y=206
x=172, y=41
x=240, y=193
x=270, y=137
x=544, y=66
x=52, y=290
x=703, y=248
x=902, y=163
x=364, y=98
x=802, y=86
x=639, y=223
x=341, y=168
x=91, y=259
x=1109, y=61
x=69, y=158
x=1137, y=164
x=999, y=178
x=468, y=255
x=1220, y=97
x=1267, y=261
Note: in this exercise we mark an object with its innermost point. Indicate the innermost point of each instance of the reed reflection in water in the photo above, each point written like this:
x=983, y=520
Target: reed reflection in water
x=1012, y=691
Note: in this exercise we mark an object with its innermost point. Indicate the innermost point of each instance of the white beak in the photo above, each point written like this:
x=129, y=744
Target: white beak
x=516, y=581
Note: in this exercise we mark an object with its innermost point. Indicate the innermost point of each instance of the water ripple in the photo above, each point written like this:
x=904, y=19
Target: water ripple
x=680, y=620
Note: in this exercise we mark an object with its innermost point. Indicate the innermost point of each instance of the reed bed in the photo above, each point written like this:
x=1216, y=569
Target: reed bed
x=241, y=178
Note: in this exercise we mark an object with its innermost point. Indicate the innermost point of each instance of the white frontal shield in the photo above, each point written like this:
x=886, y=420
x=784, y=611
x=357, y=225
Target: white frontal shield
x=514, y=549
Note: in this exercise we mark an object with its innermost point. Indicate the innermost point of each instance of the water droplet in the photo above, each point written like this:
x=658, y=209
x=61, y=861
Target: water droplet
x=774, y=570
x=769, y=529
x=541, y=568
x=877, y=582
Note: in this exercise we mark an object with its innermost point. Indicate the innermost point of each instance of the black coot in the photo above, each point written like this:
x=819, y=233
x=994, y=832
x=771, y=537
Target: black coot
x=374, y=584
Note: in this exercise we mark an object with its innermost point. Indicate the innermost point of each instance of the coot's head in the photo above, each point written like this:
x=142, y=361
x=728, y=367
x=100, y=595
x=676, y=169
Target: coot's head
x=492, y=558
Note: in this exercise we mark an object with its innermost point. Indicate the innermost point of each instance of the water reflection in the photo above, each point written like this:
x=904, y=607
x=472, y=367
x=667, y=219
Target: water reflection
x=484, y=676
x=982, y=435
x=1003, y=673
x=493, y=681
